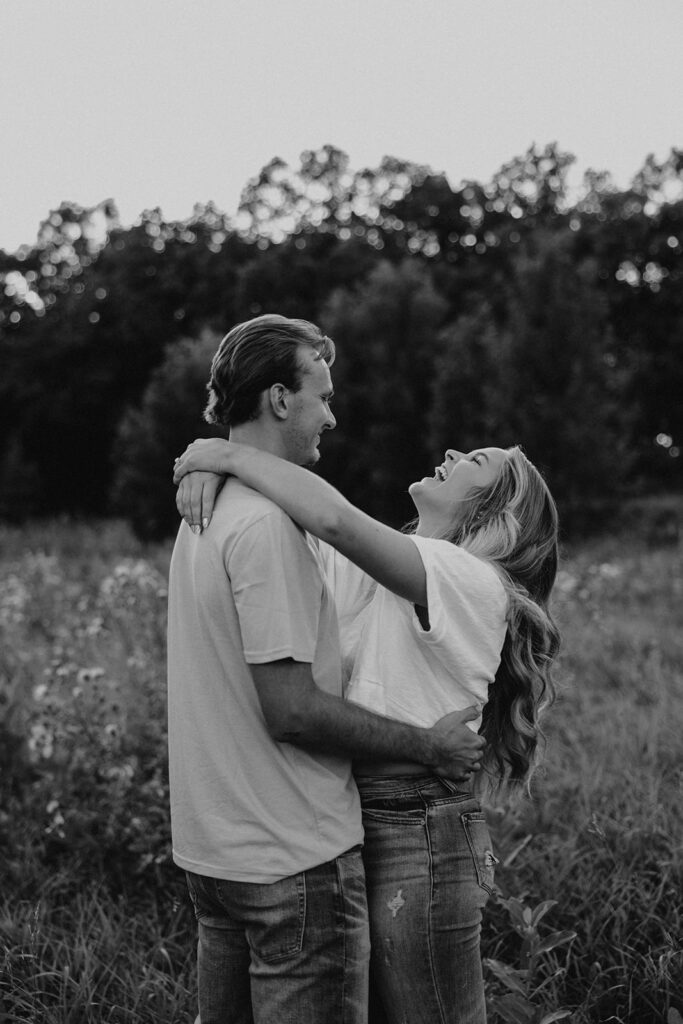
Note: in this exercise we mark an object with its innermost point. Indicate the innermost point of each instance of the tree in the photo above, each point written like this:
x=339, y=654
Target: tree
x=466, y=411
x=563, y=377
x=386, y=333
x=545, y=375
x=635, y=238
x=152, y=434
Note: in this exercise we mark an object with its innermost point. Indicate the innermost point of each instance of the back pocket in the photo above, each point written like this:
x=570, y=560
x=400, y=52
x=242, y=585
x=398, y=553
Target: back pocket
x=279, y=918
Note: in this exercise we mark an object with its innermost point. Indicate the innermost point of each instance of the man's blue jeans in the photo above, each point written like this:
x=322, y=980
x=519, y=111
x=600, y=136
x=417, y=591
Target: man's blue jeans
x=429, y=871
x=291, y=952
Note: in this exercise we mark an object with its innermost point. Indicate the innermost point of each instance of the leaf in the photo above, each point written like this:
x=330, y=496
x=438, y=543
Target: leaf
x=514, y=1009
x=555, y=1015
x=553, y=940
x=508, y=975
x=541, y=910
x=517, y=911
x=673, y=1016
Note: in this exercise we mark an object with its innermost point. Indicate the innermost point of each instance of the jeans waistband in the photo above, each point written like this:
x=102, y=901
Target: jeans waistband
x=388, y=787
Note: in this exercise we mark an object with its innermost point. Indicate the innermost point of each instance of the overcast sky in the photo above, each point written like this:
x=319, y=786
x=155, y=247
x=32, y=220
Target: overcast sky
x=171, y=102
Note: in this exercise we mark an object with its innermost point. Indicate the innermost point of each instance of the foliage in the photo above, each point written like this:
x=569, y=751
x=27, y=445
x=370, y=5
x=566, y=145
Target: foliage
x=561, y=379
x=523, y=987
x=150, y=437
x=579, y=301
x=386, y=331
x=73, y=957
x=94, y=922
x=84, y=720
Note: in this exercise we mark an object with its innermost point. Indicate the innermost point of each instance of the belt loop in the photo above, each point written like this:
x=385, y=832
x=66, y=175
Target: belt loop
x=450, y=786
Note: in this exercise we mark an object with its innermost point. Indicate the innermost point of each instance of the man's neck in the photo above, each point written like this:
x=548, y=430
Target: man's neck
x=259, y=435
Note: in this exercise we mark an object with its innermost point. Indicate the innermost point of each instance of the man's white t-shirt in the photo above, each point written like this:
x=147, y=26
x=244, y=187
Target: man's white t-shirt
x=250, y=590
x=406, y=672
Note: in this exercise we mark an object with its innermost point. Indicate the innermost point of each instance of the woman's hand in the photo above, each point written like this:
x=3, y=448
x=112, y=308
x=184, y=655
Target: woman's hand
x=200, y=473
x=209, y=454
x=196, y=497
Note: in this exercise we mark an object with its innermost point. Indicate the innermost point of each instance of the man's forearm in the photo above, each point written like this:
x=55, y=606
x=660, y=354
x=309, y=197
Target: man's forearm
x=299, y=712
x=338, y=726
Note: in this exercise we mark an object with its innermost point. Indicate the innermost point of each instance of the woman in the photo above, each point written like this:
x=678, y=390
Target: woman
x=460, y=616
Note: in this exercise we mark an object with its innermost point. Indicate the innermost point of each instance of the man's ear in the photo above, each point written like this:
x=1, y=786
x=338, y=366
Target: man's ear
x=277, y=397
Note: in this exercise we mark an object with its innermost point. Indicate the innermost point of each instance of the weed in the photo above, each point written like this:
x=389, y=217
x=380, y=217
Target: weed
x=94, y=921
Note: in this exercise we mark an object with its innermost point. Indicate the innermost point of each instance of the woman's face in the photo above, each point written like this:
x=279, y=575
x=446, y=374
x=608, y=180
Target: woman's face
x=437, y=497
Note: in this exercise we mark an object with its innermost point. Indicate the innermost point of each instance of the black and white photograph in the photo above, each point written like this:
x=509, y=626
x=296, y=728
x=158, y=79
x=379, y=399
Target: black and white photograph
x=341, y=512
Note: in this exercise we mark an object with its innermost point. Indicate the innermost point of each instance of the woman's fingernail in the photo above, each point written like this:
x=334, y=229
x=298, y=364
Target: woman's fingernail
x=205, y=522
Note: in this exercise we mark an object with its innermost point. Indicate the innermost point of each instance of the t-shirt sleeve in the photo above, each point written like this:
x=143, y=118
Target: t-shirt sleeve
x=467, y=604
x=351, y=588
x=277, y=585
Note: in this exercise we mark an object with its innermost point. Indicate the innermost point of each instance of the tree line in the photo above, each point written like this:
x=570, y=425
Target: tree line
x=504, y=312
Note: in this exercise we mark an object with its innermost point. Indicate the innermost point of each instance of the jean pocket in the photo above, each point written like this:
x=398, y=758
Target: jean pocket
x=392, y=812
x=278, y=919
x=479, y=841
x=201, y=903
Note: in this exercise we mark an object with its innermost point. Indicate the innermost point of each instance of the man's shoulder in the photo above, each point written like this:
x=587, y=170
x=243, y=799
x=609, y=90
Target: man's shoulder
x=237, y=498
x=240, y=509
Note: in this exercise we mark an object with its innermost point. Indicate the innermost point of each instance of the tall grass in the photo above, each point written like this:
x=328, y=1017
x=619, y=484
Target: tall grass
x=94, y=922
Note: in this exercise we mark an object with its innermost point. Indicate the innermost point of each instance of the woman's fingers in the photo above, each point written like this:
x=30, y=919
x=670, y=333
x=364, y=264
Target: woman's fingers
x=196, y=497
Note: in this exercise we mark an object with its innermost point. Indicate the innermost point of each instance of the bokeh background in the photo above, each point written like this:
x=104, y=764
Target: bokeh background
x=482, y=203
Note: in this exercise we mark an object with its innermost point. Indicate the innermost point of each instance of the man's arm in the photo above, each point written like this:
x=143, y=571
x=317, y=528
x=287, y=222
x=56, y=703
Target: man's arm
x=299, y=712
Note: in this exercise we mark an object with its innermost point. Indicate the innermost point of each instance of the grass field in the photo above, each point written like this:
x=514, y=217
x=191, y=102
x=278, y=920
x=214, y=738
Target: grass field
x=94, y=922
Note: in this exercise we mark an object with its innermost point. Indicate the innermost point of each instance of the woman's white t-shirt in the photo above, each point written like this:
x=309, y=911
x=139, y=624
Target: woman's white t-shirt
x=397, y=668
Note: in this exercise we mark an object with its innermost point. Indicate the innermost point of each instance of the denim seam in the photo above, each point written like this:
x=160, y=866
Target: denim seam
x=430, y=930
x=340, y=888
x=466, y=818
x=396, y=817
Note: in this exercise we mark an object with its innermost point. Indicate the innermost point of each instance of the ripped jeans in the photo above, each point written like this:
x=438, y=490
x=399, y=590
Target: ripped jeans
x=429, y=871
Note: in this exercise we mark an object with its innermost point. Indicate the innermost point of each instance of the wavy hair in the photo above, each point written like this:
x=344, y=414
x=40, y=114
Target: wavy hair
x=513, y=525
x=255, y=355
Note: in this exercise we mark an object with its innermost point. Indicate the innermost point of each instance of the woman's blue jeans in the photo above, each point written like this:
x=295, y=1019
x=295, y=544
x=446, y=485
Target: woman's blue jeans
x=292, y=952
x=429, y=871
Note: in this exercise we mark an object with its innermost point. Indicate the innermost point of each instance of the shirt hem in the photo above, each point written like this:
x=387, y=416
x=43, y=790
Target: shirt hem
x=265, y=878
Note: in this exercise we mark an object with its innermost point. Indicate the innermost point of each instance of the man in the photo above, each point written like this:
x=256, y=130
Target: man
x=265, y=814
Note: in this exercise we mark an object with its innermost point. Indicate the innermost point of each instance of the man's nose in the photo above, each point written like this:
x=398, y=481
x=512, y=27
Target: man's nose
x=331, y=421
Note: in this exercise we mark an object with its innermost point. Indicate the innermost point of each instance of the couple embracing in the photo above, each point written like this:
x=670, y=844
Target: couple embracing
x=341, y=694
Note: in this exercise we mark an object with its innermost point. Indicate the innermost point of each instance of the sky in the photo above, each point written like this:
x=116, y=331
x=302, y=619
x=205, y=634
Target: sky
x=172, y=102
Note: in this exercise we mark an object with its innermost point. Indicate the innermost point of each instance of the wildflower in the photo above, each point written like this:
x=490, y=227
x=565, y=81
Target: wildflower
x=609, y=571
x=40, y=741
x=57, y=819
x=15, y=597
x=94, y=627
x=88, y=675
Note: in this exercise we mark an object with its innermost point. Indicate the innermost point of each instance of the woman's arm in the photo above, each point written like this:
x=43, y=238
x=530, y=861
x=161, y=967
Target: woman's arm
x=387, y=555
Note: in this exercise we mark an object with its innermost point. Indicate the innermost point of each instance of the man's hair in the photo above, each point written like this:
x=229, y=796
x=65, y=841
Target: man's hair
x=252, y=357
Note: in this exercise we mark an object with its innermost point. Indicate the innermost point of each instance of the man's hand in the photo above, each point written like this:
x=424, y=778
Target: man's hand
x=457, y=749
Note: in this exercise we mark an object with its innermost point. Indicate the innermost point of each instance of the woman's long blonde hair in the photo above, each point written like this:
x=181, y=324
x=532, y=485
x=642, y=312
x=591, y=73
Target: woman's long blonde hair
x=513, y=525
